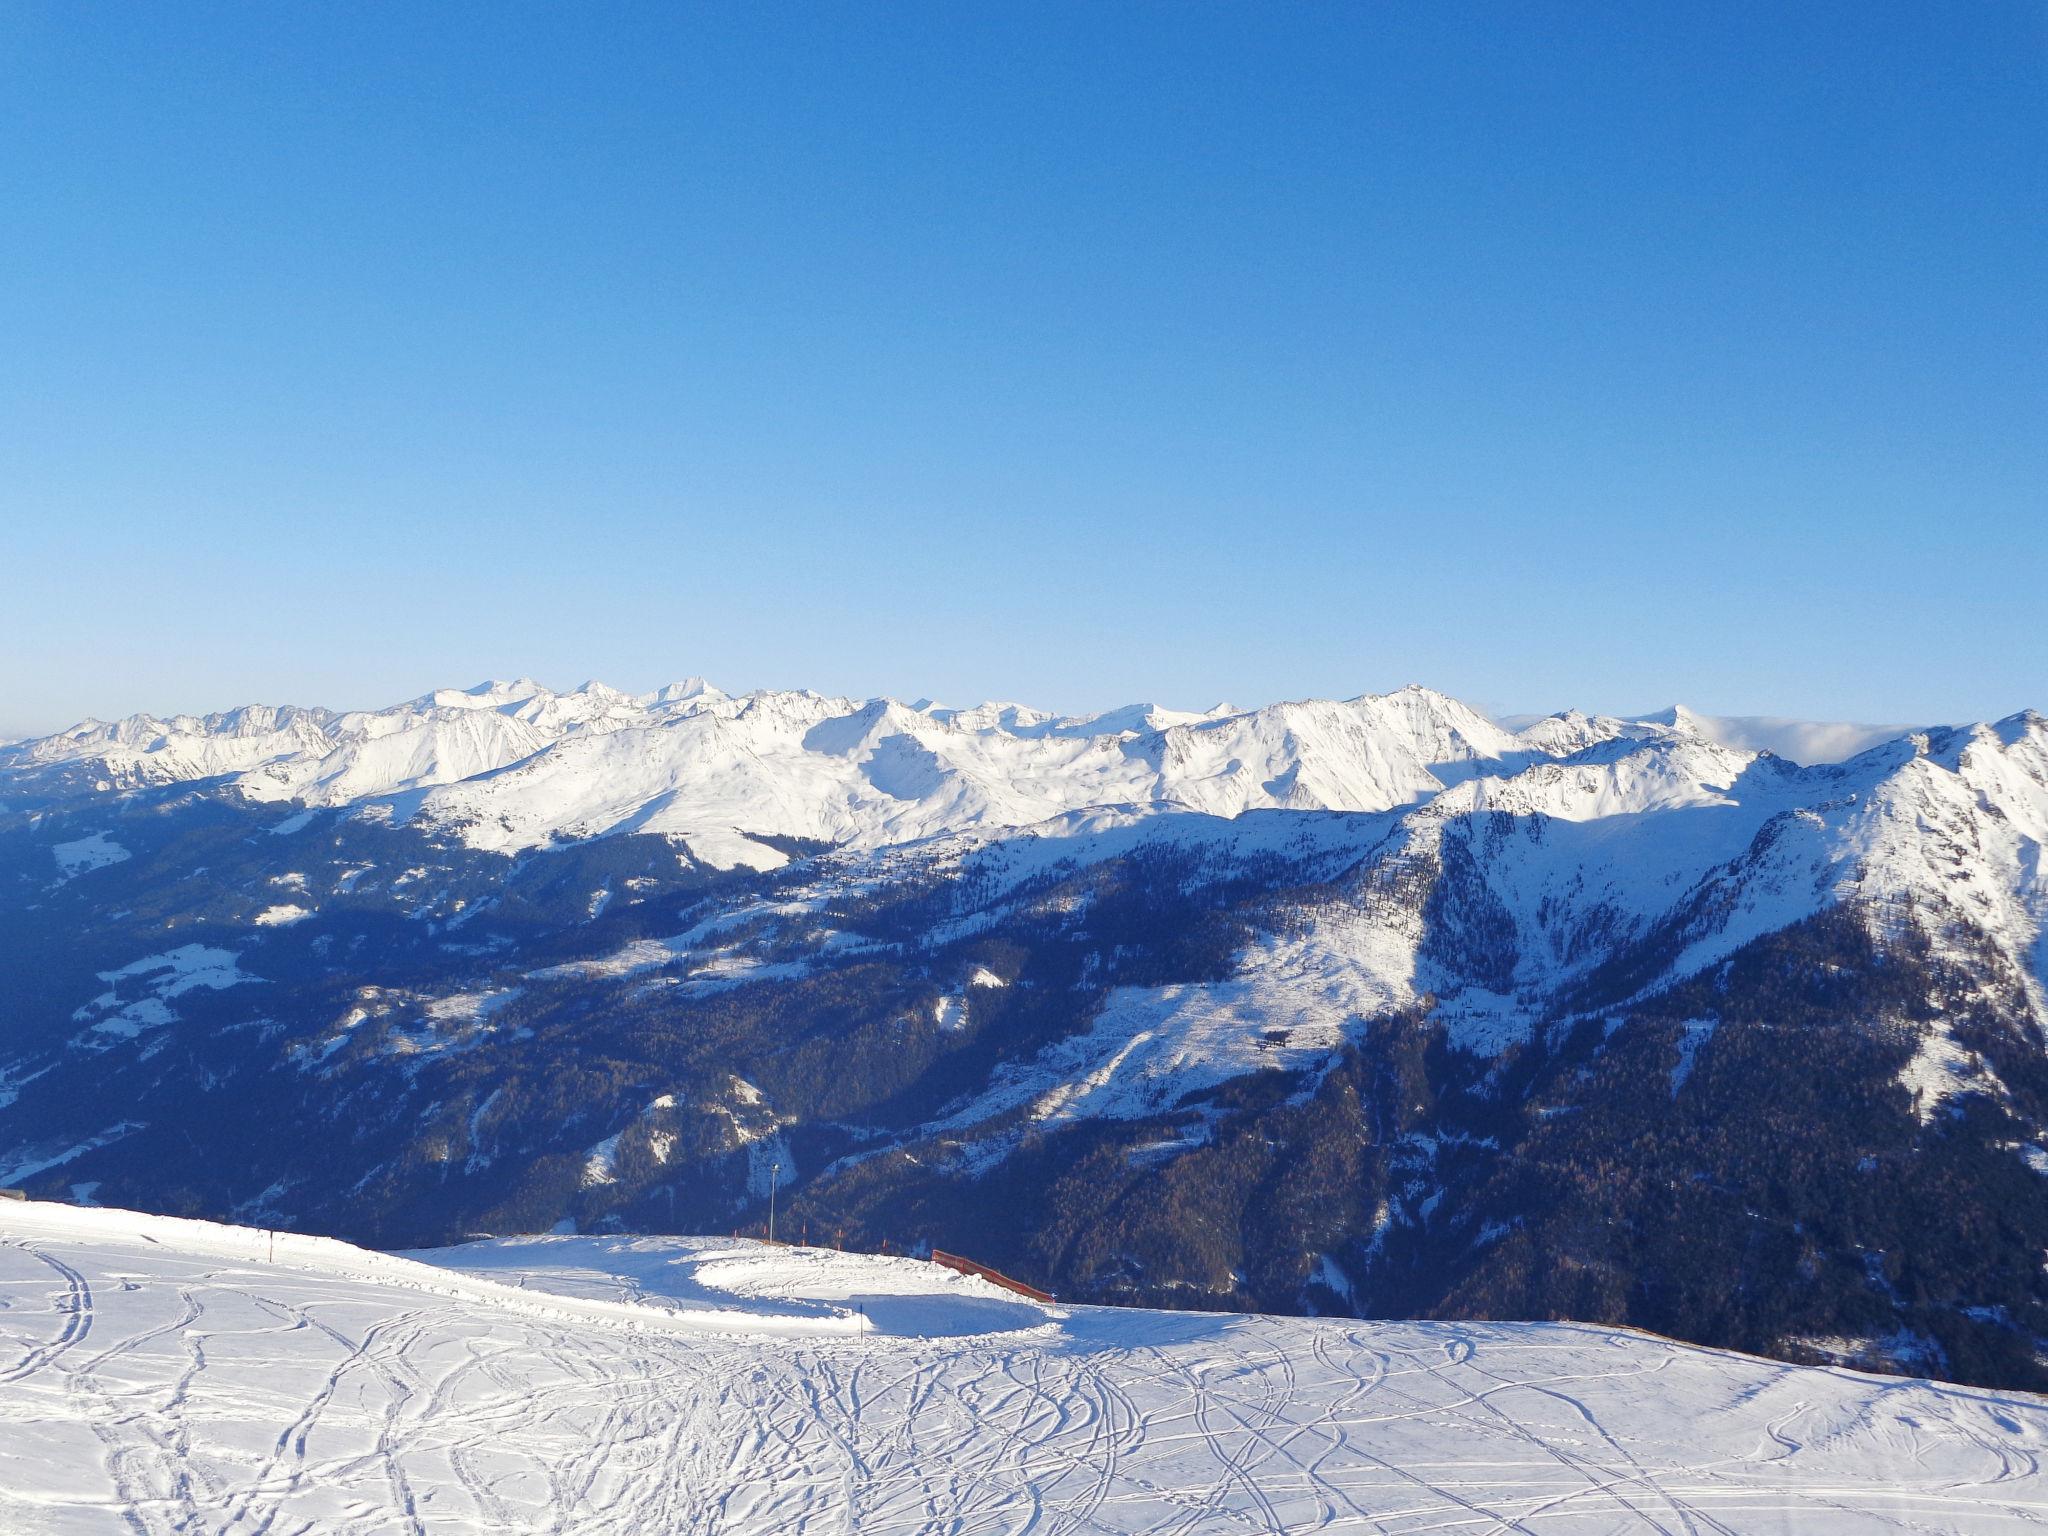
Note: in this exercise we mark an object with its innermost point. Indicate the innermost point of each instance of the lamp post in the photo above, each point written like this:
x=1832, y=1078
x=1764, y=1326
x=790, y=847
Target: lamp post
x=774, y=1175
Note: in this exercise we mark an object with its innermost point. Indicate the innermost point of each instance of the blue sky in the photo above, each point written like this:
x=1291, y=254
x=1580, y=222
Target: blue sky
x=1549, y=355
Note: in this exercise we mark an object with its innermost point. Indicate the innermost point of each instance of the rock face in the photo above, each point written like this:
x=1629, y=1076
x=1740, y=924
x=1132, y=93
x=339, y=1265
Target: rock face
x=1371, y=1006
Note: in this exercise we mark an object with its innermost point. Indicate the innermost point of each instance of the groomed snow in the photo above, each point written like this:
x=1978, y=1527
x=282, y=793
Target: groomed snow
x=159, y=1376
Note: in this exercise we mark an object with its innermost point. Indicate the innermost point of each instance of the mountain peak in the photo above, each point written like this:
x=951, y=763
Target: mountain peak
x=798, y=763
x=681, y=692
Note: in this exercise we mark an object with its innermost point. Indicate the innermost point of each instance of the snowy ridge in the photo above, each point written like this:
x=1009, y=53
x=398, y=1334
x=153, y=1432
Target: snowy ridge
x=1485, y=872
x=1803, y=741
x=516, y=765
x=881, y=773
x=1666, y=845
x=159, y=1375
x=1573, y=838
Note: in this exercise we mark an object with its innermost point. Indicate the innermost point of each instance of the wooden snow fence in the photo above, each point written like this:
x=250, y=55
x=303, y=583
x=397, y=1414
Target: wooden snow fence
x=967, y=1266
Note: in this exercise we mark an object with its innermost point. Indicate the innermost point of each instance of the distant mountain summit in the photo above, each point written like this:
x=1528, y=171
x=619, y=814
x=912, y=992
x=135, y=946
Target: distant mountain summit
x=516, y=765
x=1373, y=1005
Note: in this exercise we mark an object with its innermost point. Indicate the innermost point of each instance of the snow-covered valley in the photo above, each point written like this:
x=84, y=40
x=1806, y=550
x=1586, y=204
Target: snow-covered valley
x=160, y=1376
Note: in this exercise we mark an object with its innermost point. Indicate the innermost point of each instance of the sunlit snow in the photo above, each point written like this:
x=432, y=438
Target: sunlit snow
x=160, y=1376
x=87, y=853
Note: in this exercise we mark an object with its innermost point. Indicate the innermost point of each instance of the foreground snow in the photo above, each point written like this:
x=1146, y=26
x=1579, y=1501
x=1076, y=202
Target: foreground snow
x=159, y=1375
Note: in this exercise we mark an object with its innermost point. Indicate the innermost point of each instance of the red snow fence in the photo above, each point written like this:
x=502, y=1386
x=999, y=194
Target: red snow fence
x=965, y=1266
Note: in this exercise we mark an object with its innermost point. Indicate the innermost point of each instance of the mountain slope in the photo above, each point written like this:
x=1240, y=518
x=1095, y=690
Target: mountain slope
x=513, y=765
x=159, y=1375
x=1367, y=1006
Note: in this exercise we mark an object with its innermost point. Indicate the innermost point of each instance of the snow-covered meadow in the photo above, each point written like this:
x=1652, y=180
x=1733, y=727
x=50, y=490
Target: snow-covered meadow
x=161, y=1375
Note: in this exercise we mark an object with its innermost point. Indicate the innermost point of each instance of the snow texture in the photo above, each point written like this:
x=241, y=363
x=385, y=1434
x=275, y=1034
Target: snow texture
x=139, y=996
x=515, y=765
x=84, y=854
x=161, y=1376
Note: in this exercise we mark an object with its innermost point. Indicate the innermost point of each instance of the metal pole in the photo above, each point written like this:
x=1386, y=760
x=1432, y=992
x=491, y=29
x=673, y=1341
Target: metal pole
x=774, y=1174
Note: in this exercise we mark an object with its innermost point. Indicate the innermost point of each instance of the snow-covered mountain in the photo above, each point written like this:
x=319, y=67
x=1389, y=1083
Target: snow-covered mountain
x=1803, y=741
x=161, y=1375
x=1365, y=1005
x=1590, y=834
x=515, y=765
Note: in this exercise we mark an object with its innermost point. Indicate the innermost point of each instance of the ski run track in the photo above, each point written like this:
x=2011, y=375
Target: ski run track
x=160, y=1375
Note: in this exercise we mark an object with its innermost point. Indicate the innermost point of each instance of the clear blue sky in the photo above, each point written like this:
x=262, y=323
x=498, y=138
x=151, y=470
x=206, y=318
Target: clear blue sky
x=1547, y=354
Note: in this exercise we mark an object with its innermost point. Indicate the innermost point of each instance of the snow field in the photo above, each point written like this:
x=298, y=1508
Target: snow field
x=158, y=1375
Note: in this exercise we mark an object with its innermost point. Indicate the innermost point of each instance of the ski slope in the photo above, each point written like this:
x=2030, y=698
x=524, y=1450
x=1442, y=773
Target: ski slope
x=161, y=1375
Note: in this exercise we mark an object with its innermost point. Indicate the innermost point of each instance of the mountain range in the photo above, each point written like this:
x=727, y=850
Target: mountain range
x=1373, y=1006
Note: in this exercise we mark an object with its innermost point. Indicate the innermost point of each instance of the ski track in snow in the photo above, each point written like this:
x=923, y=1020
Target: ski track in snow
x=159, y=1376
